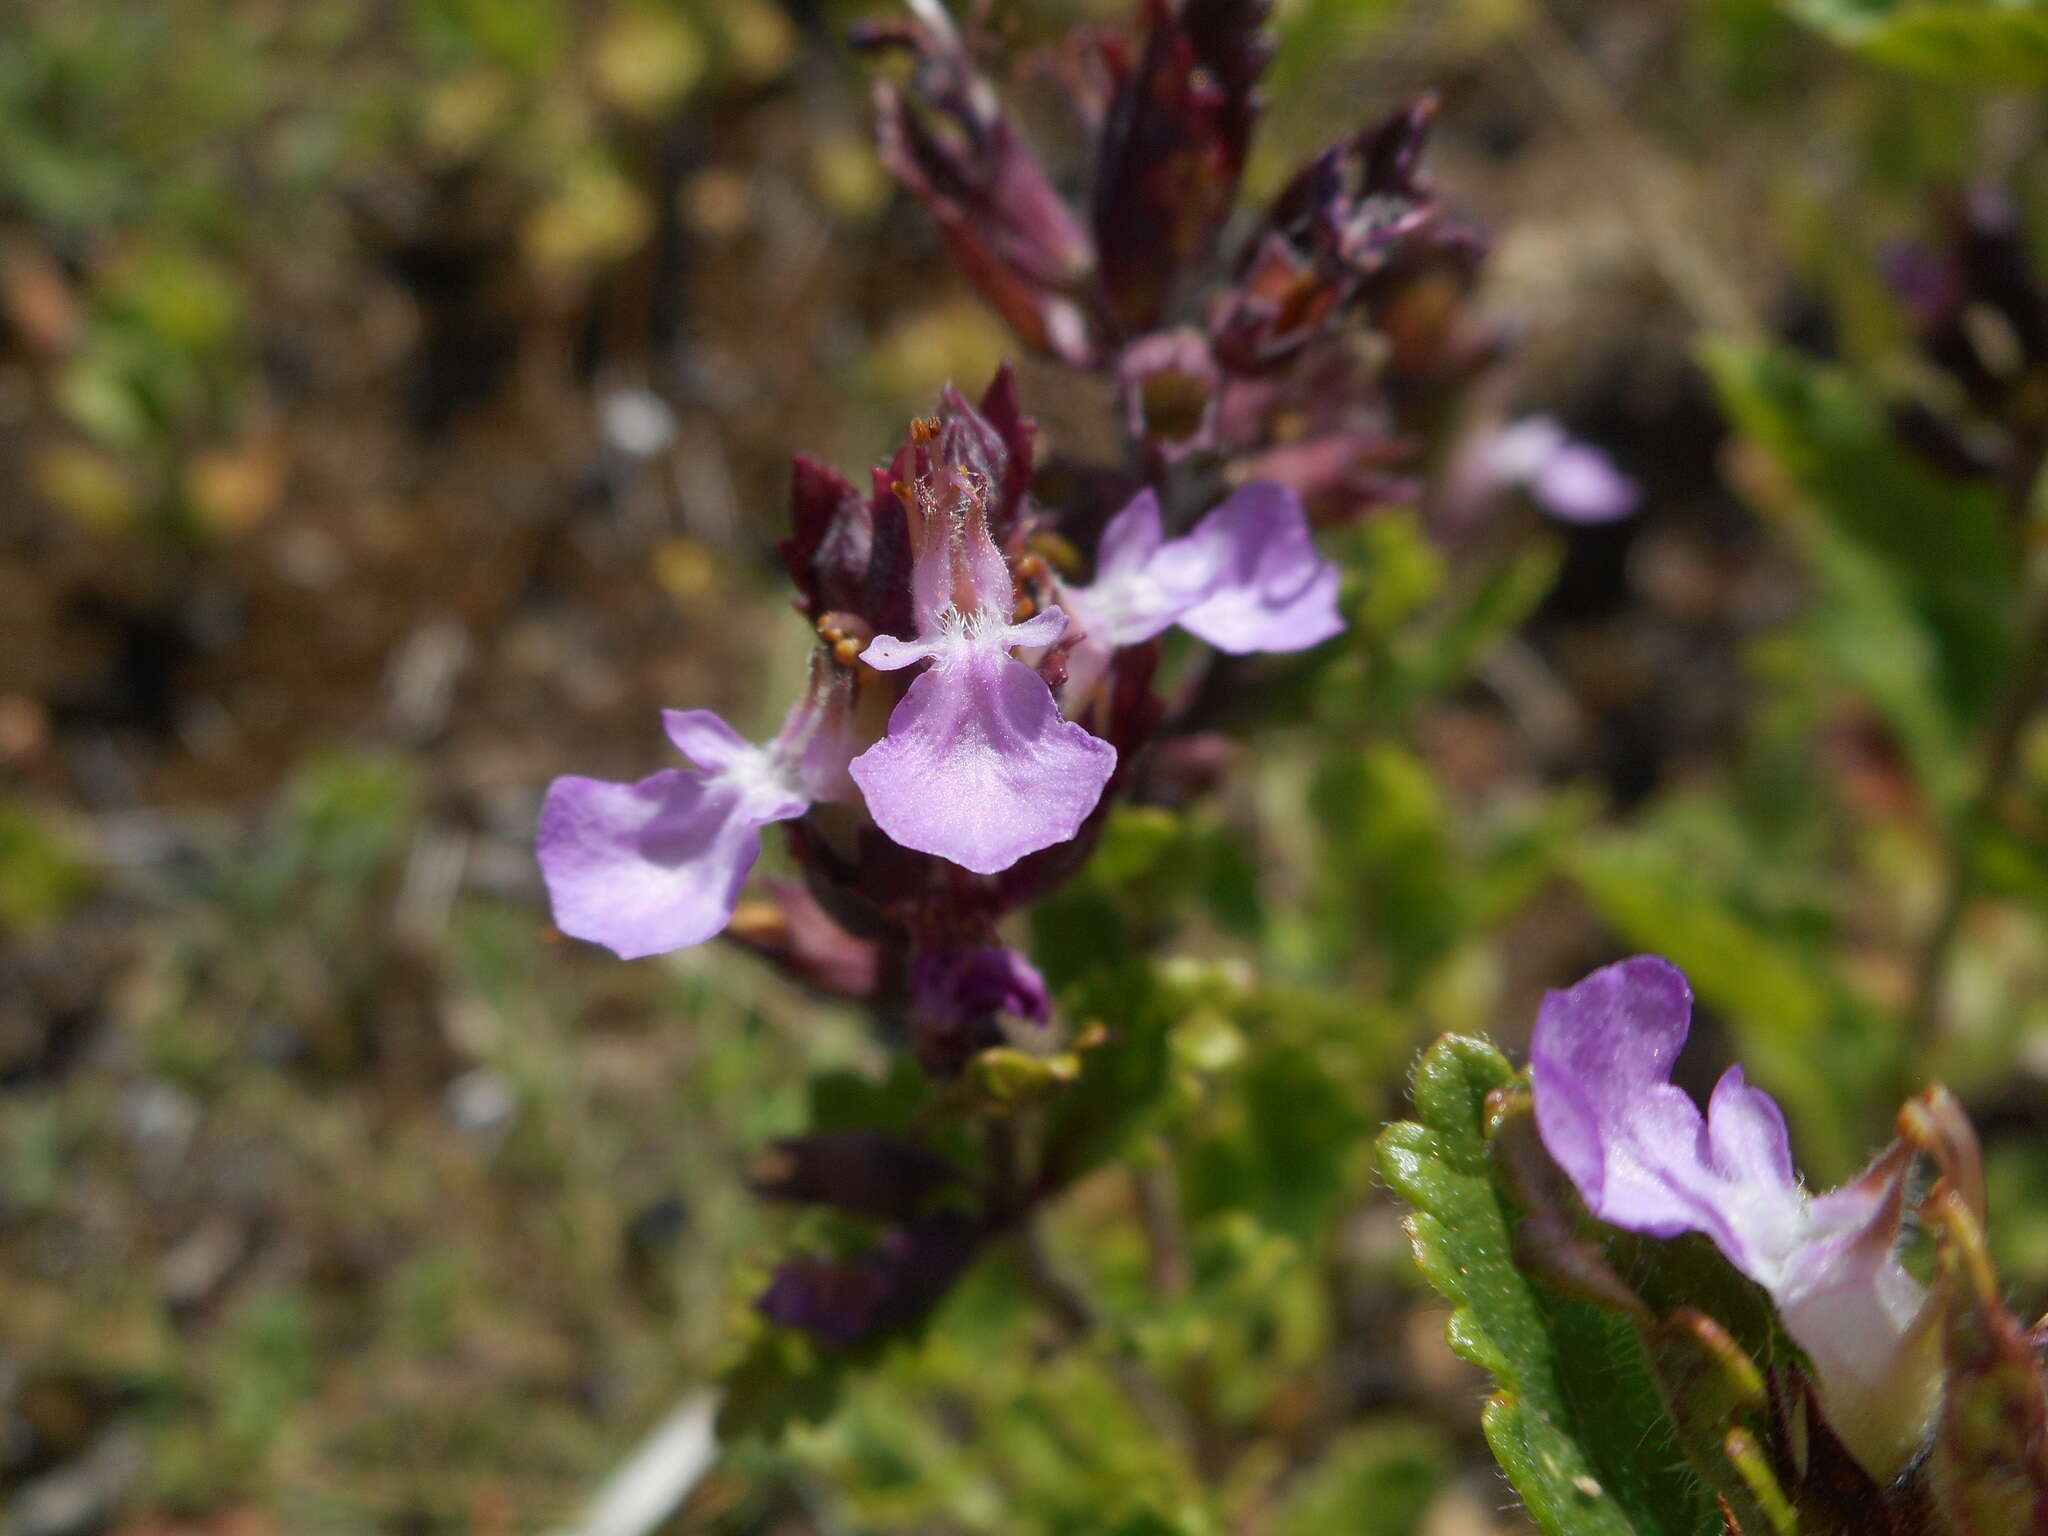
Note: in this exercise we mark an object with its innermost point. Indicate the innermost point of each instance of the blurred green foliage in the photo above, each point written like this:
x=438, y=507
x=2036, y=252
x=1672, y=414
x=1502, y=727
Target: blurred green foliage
x=174, y=156
x=1985, y=42
x=41, y=880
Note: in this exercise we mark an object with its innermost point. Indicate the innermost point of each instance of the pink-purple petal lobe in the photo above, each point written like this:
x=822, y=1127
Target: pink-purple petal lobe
x=704, y=738
x=1131, y=537
x=1599, y=1049
x=1636, y=1145
x=978, y=766
x=986, y=572
x=1573, y=481
x=1271, y=591
x=1746, y=1133
x=817, y=754
x=1039, y=630
x=653, y=866
x=1143, y=582
x=1246, y=578
x=1580, y=484
x=1867, y=1326
x=886, y=653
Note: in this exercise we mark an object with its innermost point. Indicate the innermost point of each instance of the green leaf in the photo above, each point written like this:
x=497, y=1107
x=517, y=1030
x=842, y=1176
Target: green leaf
x=1980, y=42
x=1943, y=542
x=1568, y=1374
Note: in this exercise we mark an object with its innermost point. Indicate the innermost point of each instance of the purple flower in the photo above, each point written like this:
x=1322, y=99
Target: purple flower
x=977, y=766
x=1573, y=481
x=964, y=985
x=959, y=998
x=657, y=865
x=1644, y=1158
x=1143, y=582
x=1246, y=577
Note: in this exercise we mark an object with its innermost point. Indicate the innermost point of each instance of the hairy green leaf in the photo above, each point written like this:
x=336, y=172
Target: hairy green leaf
x=1567, y=1373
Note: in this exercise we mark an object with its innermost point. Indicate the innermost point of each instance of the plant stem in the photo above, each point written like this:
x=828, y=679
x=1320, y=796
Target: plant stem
x=1166, y=1239
x=2001, y=761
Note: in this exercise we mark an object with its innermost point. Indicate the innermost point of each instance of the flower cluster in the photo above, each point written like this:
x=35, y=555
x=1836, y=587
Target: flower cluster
x=968, y=711
x=1902, y=1370
x=983, y=757
x=989, y=627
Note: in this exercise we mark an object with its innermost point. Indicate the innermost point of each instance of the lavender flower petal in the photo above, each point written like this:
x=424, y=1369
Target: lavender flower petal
x=655, y=866
x=1581, y=485
x=650, y=867
x=704, y=738
x=1130, y=538
x=978, y=767
x=886, y=653
x=1143, y=583
x=1273, y=592
x=1637, y=1146
x=1573, y=481
x=1746, y=1133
